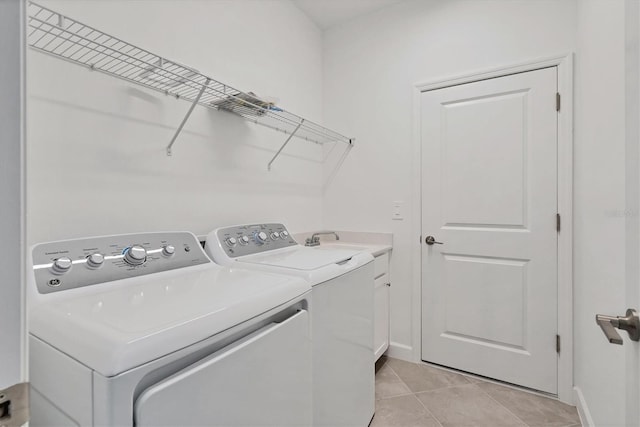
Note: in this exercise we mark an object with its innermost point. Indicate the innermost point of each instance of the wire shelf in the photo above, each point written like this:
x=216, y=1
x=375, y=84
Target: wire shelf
x=55, y=34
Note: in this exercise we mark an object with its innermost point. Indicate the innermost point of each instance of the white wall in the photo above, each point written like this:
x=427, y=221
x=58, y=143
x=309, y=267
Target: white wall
x=371, y=66
x=11, y=193
x=96, y=151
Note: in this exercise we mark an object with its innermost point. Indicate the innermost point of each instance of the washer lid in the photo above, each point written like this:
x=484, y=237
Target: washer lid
x=300, y=258
x=121, y=325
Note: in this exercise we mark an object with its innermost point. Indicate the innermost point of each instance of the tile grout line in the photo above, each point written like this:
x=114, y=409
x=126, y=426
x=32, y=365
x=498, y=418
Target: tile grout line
x=476, y=385
x=444, y=388
x=508, y=410
x=428, y=410
x=394, y=373
x=416, y=397
x=396, y=395
x=469, y=383
x=434, y=389
x=426, y=391
x=399, y=379
x=528, y=394
x=479, y=379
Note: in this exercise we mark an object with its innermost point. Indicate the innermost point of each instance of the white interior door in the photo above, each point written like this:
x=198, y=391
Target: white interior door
x=12, y=334
x=489, y=194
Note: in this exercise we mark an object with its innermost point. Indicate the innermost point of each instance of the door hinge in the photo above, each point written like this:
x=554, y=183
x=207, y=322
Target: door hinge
x=558, y=222
x=558, y=344
x=557, y=101
x=14, y=405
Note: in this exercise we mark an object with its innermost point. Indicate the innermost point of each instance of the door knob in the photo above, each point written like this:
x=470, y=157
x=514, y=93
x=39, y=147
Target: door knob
x=430, y=240
x=629, y=323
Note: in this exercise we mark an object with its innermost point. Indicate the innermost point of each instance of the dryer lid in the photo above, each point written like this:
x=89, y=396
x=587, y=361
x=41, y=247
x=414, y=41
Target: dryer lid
x=115, y=326
x=300, y=258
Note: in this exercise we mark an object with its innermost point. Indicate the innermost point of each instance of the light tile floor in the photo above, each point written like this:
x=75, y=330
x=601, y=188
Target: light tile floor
x=410, y=394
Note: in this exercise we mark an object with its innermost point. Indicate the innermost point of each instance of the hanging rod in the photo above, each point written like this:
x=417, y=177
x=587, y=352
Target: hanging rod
x=55, y=34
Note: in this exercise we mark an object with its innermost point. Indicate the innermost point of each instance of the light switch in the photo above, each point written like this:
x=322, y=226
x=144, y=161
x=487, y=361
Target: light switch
x=398, y=211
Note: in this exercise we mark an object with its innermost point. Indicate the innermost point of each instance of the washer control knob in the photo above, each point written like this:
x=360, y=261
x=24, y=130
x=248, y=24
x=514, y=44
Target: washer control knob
x=244, y=240
x=168, y=250
x=61, y=265
x=231, y=241
x=261, y=237
x=275, y=236
x=284, y=234
x=135, y=255
x=95, y=260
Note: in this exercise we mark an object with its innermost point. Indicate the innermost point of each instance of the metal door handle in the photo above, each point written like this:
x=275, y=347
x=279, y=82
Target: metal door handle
x=629, y=323
x=430, y=240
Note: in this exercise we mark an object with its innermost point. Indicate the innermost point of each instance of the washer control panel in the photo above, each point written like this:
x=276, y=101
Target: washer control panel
x=251, y=239
x=72, y=264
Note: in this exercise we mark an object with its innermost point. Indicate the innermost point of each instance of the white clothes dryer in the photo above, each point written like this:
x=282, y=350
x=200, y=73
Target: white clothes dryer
x=341, y=315
x=144, y=330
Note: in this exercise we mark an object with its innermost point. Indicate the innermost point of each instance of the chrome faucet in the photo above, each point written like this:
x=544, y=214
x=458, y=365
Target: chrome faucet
x=314, y=240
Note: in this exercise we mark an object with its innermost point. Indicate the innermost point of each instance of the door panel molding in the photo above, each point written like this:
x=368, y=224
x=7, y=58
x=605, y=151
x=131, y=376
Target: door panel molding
x=564, y=64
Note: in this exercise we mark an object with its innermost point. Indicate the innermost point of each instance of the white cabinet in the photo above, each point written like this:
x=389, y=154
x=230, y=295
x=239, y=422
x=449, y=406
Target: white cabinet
x=381, y=301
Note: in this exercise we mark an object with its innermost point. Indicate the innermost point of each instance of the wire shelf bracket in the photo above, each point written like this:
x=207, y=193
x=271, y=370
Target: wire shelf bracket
x=193, y=105
x=284, y=145
x=65, y=38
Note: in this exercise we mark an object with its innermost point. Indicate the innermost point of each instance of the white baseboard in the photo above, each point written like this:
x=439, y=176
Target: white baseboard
x=583, y=410
x=401, y=351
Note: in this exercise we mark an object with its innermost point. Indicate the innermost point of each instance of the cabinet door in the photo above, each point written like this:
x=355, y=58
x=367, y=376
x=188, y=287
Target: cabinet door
x=264, y=379
x=381, y=326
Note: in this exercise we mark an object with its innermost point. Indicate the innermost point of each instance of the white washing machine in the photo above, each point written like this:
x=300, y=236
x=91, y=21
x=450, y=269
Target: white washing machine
x=341, y=316
x=144, y=330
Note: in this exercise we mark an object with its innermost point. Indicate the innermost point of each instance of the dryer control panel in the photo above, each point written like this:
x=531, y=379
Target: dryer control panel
x=72, y=264
x=241, y=240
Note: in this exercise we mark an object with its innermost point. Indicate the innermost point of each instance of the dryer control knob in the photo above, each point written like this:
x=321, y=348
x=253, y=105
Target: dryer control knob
x=61, y=265
x=95, y=260
x=135, y=255
x=244, y=240
x=275, y=236
x=284, y=234
x=261, y=237
x=231, y=241
x=168, y=250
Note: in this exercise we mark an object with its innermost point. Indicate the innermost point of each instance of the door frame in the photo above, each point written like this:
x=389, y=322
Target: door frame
x=12, y=190
x=564, y=64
